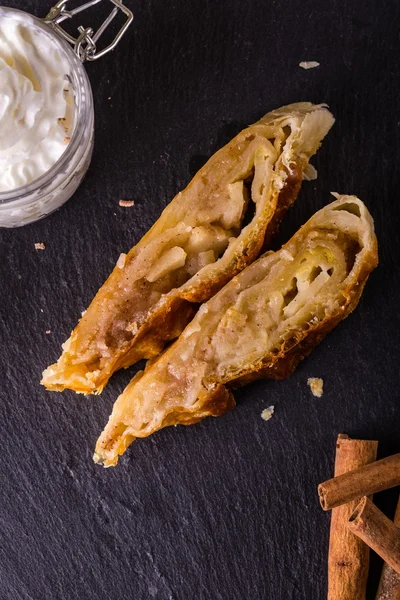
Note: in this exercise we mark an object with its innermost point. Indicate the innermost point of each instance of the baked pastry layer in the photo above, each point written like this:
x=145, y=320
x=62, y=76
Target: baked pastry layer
x=204, y=237
x=261, y=324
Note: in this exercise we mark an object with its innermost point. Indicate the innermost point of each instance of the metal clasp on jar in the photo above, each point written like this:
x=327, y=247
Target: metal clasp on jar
x=85, y=45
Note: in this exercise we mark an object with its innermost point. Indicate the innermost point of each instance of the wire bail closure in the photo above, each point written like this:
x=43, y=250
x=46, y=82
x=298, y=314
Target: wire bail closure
x=85, y=45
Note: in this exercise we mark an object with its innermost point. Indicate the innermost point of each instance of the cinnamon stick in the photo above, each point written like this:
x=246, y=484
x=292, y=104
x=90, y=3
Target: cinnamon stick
x=365, y=481
x=376, y=530
x=348, y=557
x=389, y=585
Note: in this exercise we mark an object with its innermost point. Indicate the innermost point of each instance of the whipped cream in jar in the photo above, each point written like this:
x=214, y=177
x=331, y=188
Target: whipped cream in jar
x=46, y=110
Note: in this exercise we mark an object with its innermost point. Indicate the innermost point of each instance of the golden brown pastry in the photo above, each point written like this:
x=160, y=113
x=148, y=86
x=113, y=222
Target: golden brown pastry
x=205, y=236
x=261, y=324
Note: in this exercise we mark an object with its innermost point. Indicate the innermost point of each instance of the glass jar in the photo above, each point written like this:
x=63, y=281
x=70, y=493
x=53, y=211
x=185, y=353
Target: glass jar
x=35, y=200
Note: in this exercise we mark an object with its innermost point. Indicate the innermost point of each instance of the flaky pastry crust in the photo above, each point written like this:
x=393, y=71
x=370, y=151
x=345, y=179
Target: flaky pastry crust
x=261, y=324
x=198, y=244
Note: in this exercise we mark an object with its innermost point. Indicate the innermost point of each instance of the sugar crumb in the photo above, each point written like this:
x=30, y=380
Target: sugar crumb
x=132, y=327
x=126, y=203
x=40, y=246
x=47, y=331
x=309, y=64
x=316, y=385
x=267, y=413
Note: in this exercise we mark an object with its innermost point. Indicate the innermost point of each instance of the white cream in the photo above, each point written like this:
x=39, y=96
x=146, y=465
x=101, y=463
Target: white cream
x=36, y=102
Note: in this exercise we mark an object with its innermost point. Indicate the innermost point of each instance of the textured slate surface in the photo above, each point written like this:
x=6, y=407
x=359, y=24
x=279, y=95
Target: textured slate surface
x=227, y=509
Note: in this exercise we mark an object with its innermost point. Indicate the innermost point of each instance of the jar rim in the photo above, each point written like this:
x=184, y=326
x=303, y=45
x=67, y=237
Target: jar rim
x=84, y=116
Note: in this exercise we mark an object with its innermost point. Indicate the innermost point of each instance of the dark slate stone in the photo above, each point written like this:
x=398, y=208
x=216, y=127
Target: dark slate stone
x=227, y=509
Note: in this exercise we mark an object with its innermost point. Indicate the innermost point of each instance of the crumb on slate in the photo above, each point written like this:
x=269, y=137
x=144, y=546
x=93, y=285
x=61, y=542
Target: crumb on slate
x=47, y=331
x=316, y=385
x=267, y=413
x=309, y=64
x=40, y=246
x=126, y=203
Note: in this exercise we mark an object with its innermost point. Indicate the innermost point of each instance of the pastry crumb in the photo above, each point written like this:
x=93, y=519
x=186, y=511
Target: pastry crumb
x=309, y=64
x=121, y=261
x=316, y=385
x=286, y=255
x=47, y=331
x=126, y=203
x=40, y=246
x=267, y=413
x=310, y=173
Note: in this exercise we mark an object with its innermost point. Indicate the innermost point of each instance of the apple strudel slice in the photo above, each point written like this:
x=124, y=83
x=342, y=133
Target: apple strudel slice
x=261, y=324
x=205, y=236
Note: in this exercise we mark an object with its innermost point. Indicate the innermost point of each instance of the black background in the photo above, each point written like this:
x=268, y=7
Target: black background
x=226, y=509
